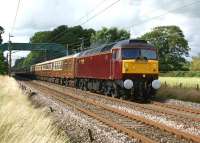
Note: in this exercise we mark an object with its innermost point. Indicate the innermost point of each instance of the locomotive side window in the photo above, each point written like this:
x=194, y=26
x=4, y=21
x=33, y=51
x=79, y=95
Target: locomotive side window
x=114, y=55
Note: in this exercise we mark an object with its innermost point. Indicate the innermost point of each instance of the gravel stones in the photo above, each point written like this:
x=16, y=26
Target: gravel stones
x=76, y=124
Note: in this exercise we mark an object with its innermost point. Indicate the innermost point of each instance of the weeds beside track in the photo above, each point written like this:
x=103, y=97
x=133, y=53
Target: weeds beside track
x=20, y=122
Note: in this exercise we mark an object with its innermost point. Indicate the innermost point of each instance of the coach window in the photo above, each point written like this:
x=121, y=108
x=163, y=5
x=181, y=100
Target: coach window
x=50, y=66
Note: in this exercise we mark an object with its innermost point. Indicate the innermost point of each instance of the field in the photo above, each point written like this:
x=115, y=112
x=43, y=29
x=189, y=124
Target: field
x=181, y=88
x=181, y=82
x=20, y=122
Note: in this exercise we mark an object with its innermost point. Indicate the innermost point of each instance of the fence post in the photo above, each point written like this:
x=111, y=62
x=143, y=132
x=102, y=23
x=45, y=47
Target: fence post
x=181, y=85
x=165, y=84
x=197, y=86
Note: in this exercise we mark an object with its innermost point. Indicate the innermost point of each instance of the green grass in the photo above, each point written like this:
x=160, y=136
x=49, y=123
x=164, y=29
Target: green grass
x=180, y=82
x=20, y=122
x=181, y=88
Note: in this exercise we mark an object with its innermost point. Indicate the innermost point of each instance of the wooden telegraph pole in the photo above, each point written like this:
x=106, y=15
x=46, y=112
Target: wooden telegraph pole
x=10, y=58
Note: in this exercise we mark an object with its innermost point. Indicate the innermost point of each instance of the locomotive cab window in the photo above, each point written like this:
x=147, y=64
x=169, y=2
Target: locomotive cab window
x=149, y=54
x=135, y=53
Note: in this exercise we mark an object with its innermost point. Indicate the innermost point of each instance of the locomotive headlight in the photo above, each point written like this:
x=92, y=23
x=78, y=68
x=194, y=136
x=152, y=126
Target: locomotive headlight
x=156, y=84
x=128, y=84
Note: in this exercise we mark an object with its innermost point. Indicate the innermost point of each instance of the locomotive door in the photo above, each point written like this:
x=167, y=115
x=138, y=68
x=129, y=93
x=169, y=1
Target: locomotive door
x=115, y=64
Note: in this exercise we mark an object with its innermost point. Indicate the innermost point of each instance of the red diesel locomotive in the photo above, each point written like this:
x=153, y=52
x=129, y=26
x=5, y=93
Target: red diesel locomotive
x=126, y=69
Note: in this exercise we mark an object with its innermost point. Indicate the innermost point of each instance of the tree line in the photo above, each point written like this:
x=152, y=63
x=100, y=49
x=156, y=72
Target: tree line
x=3, y=63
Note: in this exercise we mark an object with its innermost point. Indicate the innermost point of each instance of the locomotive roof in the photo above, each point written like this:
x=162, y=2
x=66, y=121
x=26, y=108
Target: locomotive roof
x=102, y=48
x=108, y=47
x=58, y=59
x=132, y=42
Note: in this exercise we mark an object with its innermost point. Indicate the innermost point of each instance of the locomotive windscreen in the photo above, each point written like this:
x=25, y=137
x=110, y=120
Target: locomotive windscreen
x=134, y=53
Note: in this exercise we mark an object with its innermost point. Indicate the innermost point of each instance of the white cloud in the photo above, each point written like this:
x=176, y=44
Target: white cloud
x=37, y=15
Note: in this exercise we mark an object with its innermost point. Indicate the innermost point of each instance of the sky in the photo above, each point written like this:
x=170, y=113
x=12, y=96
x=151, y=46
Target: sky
x=136, y=16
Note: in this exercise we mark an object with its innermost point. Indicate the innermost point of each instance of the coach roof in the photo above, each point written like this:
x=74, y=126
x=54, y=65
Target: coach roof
x=58, y=59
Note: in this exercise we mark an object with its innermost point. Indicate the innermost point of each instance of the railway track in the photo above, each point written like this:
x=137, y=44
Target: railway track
x=177, y=107
x=159, y=108
x=136, y=127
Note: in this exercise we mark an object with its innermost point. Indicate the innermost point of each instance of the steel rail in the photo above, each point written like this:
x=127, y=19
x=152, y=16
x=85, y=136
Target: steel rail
x=132, y=134
x=171, y=113
x=147, y=108
x=110, y=123
x=177, y=107
x=163, y=127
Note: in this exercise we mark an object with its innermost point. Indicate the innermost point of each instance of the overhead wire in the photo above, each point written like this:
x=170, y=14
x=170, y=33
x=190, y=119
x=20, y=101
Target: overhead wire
x=100, y=12
x=92, y=10
x=89, y=19
x=155, y=17
x=136, y=24
x=15, y=18
x=166, y=13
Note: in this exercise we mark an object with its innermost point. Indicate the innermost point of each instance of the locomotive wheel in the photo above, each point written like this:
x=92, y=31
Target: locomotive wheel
x=152, y=93
x=107, y=91
x=85, y=86
x=66, y=83
x=123, y=97
x=146, y=93
x=115, y=92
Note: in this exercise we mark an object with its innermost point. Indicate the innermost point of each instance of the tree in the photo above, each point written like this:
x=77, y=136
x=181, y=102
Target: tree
x=106, y=35
x=172, y=47
x=65, y=35
x=195, y=64
x=1, y=32
x=61, y=35
x=40, y=37
x=71, y=36
x=3, y=65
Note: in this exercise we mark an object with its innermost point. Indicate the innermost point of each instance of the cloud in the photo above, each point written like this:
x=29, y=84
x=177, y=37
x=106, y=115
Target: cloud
x=137, y=16
x=189, y=8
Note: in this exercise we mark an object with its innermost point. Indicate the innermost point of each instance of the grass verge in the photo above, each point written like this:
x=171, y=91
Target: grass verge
x=181, y=82
x=20, y=122
x=183, y=94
